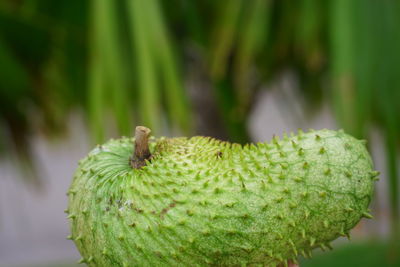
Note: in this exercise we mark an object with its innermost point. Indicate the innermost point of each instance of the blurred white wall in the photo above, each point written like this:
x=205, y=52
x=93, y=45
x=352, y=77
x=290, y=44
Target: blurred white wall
x=33, y=227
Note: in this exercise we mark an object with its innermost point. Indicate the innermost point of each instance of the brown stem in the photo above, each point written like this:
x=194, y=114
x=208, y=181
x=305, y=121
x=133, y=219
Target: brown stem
x=141, y=151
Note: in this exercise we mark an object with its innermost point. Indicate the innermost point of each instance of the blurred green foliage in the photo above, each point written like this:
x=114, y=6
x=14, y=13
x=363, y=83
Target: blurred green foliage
x=368, y=254
x=128, y=60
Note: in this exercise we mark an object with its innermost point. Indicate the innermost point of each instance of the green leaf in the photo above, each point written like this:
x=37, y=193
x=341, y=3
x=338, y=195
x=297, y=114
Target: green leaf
x=149, y=96
x=252, y=35
x=223, y=38
x=167, y=63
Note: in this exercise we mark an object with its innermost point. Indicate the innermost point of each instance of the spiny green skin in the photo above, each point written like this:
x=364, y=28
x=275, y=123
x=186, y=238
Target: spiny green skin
x=203, y=202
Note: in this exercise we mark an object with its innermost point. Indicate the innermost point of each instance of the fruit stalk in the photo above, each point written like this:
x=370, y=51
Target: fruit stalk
x=141, y=151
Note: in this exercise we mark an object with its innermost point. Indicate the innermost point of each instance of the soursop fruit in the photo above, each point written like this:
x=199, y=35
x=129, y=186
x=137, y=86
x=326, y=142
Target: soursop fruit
x=203, y=202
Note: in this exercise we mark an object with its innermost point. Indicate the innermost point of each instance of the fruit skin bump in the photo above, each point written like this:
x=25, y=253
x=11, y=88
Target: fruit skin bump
x=203, y=202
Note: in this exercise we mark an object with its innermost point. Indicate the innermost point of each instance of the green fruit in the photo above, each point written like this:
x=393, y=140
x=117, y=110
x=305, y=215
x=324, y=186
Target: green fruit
x=200, y=202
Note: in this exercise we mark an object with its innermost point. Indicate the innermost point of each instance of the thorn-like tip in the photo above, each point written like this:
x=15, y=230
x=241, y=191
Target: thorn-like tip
x=374, y=173
x=349, y=209
x=363, y=141
x=367, y=215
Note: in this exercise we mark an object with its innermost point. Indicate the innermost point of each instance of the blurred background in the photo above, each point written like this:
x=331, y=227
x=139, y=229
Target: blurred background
x=75, y=73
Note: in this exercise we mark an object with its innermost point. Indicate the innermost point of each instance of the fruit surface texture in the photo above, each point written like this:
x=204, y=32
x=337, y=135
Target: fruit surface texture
x=203, y=202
